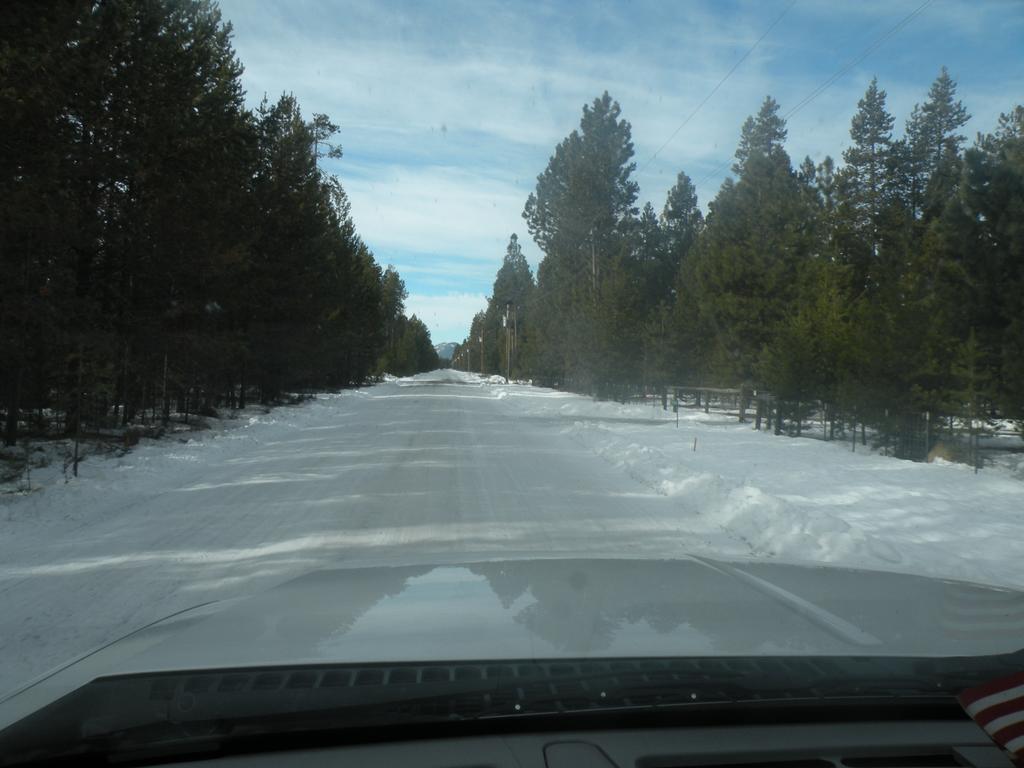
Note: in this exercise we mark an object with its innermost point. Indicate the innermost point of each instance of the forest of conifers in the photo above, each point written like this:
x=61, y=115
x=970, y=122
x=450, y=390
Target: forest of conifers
x=890, y=283
x=163, y=249
x=166, y=250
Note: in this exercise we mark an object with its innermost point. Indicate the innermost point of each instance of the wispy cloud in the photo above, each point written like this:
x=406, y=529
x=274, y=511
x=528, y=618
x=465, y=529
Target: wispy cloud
x=445, y=314
x=448, y=113
x=445, y=211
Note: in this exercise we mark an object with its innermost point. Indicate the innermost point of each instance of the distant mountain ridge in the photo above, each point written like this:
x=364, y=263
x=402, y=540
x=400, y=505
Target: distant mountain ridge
x=445, y=349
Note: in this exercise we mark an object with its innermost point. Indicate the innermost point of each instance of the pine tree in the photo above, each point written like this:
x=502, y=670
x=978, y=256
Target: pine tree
x=749, y=257
x=763, y=134
x=935, y=145
x=864, y=186
x=651, y=256
x=683, y=222
x=507, y=309
x=618, y=328
x=322, y=130
x=161, y=242
x=989, y=235
x=581, y=215
x=393, y=299
x=38, y=223
x=971, y=393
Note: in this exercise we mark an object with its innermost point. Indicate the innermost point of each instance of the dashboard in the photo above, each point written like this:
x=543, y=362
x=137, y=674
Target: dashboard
x=888, y=744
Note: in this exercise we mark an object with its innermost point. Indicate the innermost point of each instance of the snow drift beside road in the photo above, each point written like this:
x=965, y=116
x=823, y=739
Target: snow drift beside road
x=804, y=500
x=790, y=499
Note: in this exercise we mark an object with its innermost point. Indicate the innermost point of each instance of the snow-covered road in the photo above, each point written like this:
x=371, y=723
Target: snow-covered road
x=447, y=467
x=422, y=471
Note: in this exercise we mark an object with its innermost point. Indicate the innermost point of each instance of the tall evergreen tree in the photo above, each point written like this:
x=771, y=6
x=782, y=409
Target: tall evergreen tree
x=866, y=287
x=986, y=229
x=762, y=134
x=580, y=215
x=935, y=144
x=163, y=248
x=507, y=310
x=864, y=186
x=683, y=222
x=651, y=255
x=749, y=258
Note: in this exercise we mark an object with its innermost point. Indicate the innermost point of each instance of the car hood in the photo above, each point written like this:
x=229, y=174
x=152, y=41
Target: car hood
x=550, y=609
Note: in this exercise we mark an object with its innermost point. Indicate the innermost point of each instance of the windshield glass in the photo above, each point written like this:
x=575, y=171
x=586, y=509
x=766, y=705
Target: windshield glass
x=396, y=332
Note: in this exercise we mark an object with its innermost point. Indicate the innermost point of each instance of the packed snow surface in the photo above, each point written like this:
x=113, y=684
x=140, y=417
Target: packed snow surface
x=449, y=467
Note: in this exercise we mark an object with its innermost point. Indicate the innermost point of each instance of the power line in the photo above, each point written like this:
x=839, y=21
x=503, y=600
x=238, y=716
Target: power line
x=854, y=62
x=719, y=85
x=837, y=75
x=714, y=90
x=799, y=106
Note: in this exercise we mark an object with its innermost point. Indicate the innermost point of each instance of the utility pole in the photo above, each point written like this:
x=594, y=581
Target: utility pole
x=515, y=328
x=593, y=266
x=508, y=342
x=481, y=354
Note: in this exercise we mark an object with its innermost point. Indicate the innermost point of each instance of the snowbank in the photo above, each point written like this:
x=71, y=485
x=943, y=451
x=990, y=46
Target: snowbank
x=804, y=500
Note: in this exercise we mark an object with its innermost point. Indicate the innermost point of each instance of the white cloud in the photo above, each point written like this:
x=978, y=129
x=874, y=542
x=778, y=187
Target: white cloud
x=447, y=315
x=448, y=115
x=443, y=211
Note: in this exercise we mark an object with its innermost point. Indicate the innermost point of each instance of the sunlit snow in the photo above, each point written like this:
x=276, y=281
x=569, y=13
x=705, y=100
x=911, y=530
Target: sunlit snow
x=451, y=467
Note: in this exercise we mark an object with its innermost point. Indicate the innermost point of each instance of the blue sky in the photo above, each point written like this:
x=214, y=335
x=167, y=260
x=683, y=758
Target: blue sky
x=448, y=112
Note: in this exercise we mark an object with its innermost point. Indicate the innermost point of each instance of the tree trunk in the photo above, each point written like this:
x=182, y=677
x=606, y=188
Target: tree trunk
x=126, y=414
x=927, y=433
x=13, y=397
x=166, y=404
x=78, y=413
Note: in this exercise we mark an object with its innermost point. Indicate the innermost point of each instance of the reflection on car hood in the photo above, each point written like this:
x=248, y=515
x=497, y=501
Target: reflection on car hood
x=545, y=609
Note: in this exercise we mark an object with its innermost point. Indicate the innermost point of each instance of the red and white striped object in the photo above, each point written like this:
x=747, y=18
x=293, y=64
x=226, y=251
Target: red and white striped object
x=998, y=707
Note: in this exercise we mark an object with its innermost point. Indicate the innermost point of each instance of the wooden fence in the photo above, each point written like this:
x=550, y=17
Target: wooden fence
x=918, y=436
